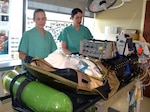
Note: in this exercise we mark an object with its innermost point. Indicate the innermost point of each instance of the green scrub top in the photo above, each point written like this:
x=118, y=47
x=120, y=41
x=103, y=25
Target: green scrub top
x=34, y=44
x=73, y=37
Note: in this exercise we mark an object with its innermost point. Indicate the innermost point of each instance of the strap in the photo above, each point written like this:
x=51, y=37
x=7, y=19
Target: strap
x=20, y=89
x=28, y=59
x=103, y=69
x=12, y=83
x=16, y=102
x=125, y=43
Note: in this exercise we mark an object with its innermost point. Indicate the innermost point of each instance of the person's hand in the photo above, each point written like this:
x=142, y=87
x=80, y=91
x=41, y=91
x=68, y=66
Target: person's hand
x=28, y=59
x=22, y=55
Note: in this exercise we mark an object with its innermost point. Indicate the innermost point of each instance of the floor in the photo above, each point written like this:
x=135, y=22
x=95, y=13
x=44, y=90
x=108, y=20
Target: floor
x=5, y=106
x=120, y=105
x=119, y=101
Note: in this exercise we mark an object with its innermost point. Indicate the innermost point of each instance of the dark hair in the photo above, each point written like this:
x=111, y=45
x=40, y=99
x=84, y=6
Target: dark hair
x=75, y=11
x=2, y=34
x=36, y=11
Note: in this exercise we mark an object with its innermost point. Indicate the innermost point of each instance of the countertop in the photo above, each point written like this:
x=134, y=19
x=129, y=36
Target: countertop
x=9, y=64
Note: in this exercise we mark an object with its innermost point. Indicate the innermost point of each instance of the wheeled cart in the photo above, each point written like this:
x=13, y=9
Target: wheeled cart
x=46, y=91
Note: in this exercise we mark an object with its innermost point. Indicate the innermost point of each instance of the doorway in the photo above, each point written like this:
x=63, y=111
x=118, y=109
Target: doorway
x=146, y=32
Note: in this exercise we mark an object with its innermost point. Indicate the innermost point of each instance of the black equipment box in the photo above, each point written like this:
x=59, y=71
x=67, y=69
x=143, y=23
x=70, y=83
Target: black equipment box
x=126, y=67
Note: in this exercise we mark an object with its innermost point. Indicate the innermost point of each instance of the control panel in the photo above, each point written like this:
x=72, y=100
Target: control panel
x=98, y=49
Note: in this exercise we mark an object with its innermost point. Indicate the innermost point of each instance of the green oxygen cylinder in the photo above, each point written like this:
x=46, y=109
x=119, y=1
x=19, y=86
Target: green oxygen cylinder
x=38, y=96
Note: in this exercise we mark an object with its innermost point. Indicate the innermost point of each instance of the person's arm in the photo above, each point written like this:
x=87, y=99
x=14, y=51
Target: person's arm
x=64, y=48
x=26, y=58
x=22, y=55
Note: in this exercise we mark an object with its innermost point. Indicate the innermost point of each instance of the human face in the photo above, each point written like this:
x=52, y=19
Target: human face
x=40, y=20
x=77, y=19
x=2, y=39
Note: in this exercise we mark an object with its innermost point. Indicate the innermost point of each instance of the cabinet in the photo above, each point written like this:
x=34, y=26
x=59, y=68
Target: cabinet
x=102, y=106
